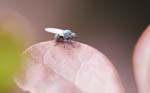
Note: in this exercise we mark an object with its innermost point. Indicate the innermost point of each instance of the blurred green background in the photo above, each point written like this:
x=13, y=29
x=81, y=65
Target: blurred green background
x=10, y=59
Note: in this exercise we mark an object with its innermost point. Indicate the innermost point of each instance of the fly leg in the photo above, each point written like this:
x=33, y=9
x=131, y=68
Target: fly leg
x=71, y=43
x=56, y=43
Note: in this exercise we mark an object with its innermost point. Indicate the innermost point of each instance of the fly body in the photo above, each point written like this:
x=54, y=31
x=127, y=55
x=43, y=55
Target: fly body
x=62, y=35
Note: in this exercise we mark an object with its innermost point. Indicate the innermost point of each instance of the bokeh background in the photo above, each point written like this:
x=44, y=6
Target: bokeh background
x=111, y=26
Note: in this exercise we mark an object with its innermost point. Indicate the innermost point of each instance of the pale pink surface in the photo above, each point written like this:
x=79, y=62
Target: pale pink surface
x=141, y=62
x=78, y=69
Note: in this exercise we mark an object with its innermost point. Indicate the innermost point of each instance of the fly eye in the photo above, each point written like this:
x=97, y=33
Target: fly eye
x=73, y=34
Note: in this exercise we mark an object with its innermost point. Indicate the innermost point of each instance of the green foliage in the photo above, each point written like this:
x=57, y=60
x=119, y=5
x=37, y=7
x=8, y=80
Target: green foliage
x=10, y=59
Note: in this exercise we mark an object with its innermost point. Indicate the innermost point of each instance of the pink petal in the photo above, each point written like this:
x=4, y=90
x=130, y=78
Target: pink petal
x=70, y=69
x=141, y=61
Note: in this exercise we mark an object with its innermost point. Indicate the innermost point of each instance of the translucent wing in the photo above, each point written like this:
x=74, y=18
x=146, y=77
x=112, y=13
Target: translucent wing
x=54, y=30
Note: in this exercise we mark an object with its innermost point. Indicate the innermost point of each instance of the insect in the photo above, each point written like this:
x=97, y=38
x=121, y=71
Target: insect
x=60, y=35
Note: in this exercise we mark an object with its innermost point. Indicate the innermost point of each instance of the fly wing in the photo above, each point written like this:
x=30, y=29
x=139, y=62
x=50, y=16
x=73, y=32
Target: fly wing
x=54, y=30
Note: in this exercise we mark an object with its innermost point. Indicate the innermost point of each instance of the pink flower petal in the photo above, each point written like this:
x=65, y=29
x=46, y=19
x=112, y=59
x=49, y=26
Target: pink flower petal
x=141, y=61
x=70, y=69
